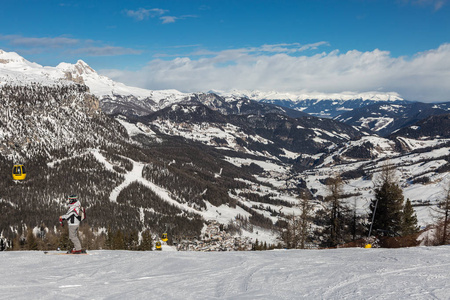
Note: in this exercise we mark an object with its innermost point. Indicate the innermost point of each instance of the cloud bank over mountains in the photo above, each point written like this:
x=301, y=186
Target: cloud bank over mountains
x=286, y=68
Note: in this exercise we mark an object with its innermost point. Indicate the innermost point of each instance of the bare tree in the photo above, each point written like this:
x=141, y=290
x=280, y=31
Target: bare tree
x=304, y=221
x=443, y=217
x=297, y=227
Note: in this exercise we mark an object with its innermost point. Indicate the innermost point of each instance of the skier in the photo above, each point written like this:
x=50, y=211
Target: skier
x=73, y=219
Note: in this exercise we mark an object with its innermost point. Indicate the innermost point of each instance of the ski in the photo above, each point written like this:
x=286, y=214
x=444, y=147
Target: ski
x=65, y=253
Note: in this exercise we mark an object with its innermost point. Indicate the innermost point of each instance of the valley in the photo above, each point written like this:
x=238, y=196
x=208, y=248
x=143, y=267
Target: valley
x=144, y=160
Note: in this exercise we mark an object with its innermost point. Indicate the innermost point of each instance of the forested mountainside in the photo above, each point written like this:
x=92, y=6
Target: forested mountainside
x=59, y=134
x=386, y=118
x=435, y=126
x=191, y=162
x=253, y=132
x=38, y=120
x=69, y=146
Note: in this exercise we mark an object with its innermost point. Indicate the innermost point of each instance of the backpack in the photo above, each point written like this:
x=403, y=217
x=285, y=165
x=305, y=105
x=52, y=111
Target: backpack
x=82, y=214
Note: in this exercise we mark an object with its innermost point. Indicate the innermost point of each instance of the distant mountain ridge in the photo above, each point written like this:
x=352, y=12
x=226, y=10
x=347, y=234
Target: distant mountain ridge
x=298, y=97
x=117, y=97
x=326, y=105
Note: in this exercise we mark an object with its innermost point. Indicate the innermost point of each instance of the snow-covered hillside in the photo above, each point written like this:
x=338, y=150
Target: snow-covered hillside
x=339, y=160
x=387, y=118
x=356, y=273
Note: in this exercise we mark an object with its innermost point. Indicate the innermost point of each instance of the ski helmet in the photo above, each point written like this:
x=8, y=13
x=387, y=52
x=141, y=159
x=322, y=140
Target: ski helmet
x=72, y=199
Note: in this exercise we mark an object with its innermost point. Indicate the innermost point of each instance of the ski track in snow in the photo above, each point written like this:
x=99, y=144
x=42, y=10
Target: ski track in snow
x=135, y=175
x=132, y=176
x=352, y=273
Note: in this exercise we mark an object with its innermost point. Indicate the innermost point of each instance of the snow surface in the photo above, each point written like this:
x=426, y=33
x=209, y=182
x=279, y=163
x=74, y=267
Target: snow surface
x=352, y=273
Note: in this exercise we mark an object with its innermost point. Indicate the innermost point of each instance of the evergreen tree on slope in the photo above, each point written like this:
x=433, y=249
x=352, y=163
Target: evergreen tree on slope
x=387, y=205
x=409, y=220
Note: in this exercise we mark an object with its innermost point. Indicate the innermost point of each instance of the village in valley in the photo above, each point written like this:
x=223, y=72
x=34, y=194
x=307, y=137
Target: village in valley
x=214, y=238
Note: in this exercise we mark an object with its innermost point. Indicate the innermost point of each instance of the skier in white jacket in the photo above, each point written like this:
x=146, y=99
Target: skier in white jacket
x=73, y=219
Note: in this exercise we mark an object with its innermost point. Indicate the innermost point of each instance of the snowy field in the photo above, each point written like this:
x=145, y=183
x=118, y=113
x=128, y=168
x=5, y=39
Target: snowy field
x=352, y=273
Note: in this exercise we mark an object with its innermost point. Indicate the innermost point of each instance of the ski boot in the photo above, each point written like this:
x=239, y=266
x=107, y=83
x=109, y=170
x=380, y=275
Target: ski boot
x=82, y=251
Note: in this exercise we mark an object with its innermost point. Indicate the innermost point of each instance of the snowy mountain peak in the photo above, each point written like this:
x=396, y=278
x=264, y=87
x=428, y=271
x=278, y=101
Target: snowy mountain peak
x=8, y=57
x=297, y=97
x=84, y=68
x=14, y=69
x=12, y=60
x=79, y=69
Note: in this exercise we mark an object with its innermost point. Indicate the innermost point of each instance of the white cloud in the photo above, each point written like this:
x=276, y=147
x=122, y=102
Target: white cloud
x=62, y=44
x=168, y=19
x=142, y=13
x=105, y=51
x=172, y=19
x=48, y=42
x=425, y=76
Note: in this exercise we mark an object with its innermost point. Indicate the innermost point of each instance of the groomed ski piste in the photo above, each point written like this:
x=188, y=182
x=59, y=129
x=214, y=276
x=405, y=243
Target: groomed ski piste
x=351, y=273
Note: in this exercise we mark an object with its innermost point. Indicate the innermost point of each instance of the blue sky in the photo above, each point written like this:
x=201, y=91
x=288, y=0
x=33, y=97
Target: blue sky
x=195, y=45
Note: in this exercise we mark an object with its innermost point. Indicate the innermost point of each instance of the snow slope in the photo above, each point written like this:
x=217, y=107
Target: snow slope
x=352, y=273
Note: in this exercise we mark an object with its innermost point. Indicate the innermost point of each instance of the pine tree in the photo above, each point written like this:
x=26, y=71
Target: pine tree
x=409, y=219
x=147, y=242
x=31, y=243
x=109, y=243
x=64, y=241
x=255, y=245
x=86, y=236
x=336, y=211
x=386, y=208
x=119, y=240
